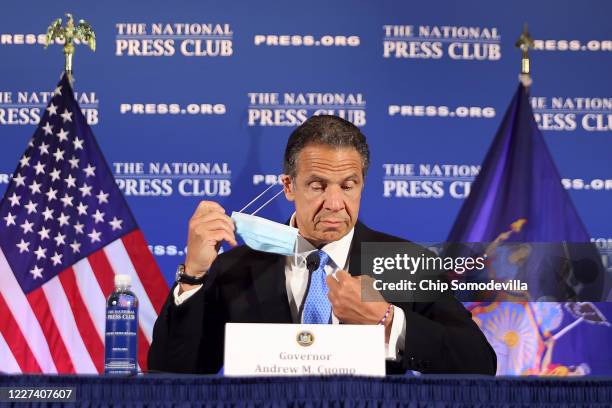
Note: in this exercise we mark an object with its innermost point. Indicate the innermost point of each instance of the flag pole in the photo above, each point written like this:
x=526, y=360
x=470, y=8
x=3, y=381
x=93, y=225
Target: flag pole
x=525, y=42
x=82, y=32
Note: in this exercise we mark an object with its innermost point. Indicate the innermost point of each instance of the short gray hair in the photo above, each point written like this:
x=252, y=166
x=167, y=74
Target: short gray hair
x=326, y=130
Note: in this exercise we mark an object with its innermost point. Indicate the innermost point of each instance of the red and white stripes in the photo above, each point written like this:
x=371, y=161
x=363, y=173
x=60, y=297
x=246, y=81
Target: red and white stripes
x=59, y=328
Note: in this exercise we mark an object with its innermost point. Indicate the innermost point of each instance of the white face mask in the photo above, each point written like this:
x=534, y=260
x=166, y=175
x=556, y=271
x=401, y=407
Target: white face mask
x=262, y=234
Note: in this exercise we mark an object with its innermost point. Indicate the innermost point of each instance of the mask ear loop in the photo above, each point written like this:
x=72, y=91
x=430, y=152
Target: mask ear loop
x=266, y=203
x=256, y=198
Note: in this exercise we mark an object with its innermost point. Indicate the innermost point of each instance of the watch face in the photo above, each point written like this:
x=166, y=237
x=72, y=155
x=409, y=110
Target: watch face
x=180, y=271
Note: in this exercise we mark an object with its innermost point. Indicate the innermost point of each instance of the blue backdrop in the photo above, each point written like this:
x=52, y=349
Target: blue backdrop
x=195, y=100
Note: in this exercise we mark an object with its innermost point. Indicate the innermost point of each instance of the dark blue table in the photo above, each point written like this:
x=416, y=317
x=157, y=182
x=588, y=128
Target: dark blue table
x=425, y=391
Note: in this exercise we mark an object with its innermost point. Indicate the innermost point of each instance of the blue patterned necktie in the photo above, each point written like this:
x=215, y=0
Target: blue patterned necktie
x=317, y=308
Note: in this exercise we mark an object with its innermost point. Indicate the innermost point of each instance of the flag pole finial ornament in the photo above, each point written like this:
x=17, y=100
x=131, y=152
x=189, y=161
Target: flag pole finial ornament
x=82, y=32
x=525, y=42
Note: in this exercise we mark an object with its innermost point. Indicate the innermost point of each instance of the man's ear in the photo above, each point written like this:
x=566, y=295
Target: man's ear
x=288, y=186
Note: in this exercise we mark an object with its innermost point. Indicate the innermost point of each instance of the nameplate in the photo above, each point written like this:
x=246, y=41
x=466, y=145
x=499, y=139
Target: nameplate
x=254, y=349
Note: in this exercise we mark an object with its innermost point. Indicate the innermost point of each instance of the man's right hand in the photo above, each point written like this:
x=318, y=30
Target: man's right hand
x=208, y=226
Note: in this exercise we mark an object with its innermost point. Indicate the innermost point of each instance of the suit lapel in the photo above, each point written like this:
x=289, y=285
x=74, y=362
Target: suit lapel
x=360, y=235
x=268, y=277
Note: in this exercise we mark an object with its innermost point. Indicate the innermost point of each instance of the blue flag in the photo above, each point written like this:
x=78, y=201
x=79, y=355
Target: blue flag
x=519, y=180
x=518, y=199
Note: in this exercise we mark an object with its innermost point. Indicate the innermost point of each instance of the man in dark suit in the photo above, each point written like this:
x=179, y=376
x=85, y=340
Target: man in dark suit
x=325, y=164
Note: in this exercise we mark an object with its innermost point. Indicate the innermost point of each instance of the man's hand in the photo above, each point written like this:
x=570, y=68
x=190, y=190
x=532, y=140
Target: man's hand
x=208, y=226
x=346, y=299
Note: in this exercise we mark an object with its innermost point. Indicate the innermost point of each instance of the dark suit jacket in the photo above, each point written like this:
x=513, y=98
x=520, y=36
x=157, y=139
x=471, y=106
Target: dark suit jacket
x=247, y=286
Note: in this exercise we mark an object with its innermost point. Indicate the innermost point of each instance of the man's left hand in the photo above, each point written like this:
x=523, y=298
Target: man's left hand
x=345, y=295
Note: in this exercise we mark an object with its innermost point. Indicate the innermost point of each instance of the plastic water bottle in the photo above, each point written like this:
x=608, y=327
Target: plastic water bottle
x=121, y=329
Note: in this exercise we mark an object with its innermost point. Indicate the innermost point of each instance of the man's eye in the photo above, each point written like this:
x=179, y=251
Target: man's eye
x=316, y=186
x=348, y=186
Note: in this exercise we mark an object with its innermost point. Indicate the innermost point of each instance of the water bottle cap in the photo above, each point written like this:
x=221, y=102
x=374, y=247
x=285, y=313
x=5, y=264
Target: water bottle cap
x=123, y=280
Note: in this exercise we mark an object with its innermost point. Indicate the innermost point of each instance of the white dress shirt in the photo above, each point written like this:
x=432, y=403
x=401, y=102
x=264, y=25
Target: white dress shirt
x=296, y=281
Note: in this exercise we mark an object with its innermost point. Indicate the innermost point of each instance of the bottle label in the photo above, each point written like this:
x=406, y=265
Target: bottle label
x=120, y=344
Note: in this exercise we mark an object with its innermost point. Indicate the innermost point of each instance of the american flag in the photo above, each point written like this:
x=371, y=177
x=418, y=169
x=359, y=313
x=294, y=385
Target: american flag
x=65, y=231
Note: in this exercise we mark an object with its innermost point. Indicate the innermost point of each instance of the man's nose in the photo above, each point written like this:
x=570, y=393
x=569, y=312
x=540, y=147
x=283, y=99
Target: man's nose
x=333, y=199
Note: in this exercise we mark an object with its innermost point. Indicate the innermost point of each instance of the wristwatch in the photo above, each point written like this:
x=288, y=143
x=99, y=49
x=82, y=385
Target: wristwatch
x=182, y=277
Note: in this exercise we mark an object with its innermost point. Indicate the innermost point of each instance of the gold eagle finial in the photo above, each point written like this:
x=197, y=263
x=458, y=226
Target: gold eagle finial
x=82, y=32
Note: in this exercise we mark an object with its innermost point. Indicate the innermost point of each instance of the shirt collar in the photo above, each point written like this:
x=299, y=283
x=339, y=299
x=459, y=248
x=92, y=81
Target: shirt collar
x=338, y=251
